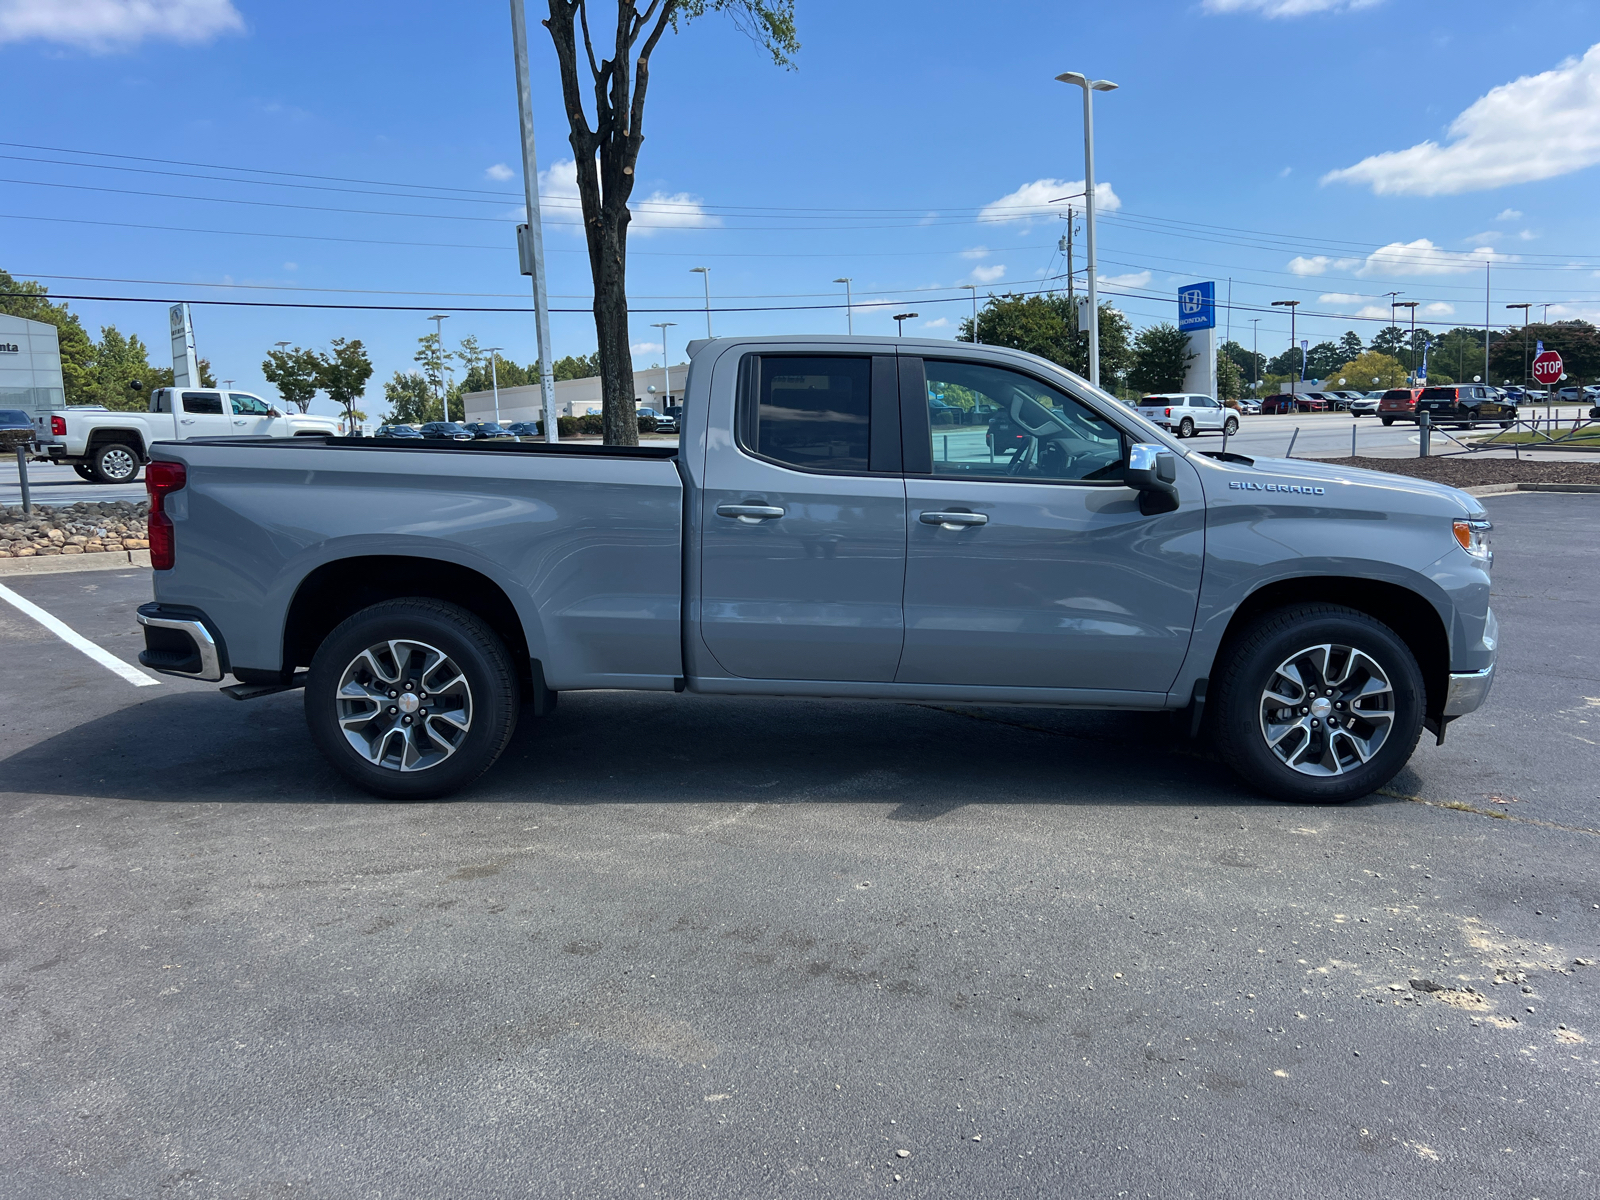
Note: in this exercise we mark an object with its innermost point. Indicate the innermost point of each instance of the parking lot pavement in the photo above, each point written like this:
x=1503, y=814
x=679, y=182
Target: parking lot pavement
x=51, y=484
x=685, y=945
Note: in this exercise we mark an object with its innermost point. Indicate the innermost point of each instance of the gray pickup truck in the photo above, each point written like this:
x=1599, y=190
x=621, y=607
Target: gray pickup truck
x=842, y=517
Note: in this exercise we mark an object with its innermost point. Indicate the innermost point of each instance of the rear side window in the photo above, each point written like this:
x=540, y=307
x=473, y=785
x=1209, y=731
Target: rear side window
x=808, y=411
x=203, y=403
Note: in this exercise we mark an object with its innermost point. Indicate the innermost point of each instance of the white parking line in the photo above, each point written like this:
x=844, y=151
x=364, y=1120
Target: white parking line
x=76, y=640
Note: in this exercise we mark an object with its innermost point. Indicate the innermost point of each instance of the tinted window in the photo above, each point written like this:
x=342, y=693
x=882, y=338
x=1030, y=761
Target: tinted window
x=244, y=405
x=810, y=411
x=163, y=400
x=1011, y=426
x=204, y=403
x=1437, y=393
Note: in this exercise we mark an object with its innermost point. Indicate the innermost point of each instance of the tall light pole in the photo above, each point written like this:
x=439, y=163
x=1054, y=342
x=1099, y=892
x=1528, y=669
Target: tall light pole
x=438, y=320
x=900, y=320
x=1255, y=356
x=705, y=276
x=530, y=192
x=666, y=371
x=1291, y=305
x=1524, y=308
x=1089, y=88
x=1412, y=305
x=849, y=313
x=973, y=288
x=494, y=379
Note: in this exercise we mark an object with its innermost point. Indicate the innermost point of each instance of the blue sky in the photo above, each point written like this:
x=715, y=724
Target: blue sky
x=1460, y=132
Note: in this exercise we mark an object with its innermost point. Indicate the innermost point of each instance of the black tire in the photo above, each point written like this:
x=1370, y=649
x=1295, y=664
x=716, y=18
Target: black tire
x=1186, y=428
x=1231, y=427
x=115, y=462
x=491, y=698
x=1388, y=421
x=1238, y=709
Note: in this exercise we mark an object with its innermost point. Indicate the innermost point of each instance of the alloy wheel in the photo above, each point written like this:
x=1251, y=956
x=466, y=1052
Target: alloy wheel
x=119, y=465
x=404, y=705
x=1327, y=710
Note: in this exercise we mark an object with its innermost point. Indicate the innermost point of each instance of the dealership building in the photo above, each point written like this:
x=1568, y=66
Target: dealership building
x=652, y=388
x=30, y=365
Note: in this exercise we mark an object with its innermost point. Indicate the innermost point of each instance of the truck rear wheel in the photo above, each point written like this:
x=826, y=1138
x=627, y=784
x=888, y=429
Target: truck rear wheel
x=1318, y=703
x=115, y=463
x=411, y=699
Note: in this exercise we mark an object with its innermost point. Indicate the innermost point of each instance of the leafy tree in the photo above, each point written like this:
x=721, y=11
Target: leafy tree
x=1251, y=365
x=1161, y=357
x=607, y=154
x=573, y=366
x=1230, y=380
x=1350, y=346
x=1578, y=343
x=411, y=399
x=1390, y=340
x=1046, y=325
x=1460, y=351
x=344, y=374
x=435, y=361
x=161, y=377
x=26, y=298
x=295, y=373
x=119, y=362
x=1323, y=359
x=1288, y=364
x=1360, y=371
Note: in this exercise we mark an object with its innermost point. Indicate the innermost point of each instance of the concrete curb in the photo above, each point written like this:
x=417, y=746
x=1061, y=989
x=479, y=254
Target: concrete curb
x=57, y=564
x=1502, y=489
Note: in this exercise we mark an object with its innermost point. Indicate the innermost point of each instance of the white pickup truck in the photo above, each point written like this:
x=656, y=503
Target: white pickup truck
x=1185, y=414
x=109, y=446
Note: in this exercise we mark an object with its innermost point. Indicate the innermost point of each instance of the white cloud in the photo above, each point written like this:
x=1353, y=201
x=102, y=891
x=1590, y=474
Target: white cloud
x=1488, y=235
x=977, y=252
x=1032, y=200
x=1438, y=309
x=291, y=266
x=1319, y=264
x=1509, y=214
x=1536, y=127
x=938, y=323
x=1341, y=298
x=1286, y=8
x=558, y=198
x=646, y=347
x=1422, y=257
x=499, y=171
x=988, y=274
x=1373, y=312
x=1527, y=235
x=1135, y=279
x=103, y=26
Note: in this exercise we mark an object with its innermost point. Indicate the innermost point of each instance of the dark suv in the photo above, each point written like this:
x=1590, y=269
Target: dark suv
x=1466, y=404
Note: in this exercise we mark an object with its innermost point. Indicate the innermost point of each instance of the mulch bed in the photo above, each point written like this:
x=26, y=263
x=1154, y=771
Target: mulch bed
x=1472, y=471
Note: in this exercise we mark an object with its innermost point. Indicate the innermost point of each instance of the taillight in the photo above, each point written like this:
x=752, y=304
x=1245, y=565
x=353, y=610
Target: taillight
x=1169, y=412
x=160, y=478
x=58, y=427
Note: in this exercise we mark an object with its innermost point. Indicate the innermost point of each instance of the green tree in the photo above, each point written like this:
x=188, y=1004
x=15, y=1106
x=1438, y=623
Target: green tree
x=1046, y=325
x=607, y=153
x=1230, y=380
x=1578, y=343
x=1251, y=365
x=295, y=373
x=435, y=362
x=119, y=362
x=28, y=299
x=161, y=377
x=344, y=374
x=1360, y=371
x=411, y=399
x=1390, y=340
x=1350, y=346
x=1161, y=357
x=1323, y=359
x=1460, y=351
x=1288, y=364
x=573, y=366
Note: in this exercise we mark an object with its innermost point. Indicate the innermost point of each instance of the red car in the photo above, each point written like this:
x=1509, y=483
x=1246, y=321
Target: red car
x=1285, y=403
x=1398, y=404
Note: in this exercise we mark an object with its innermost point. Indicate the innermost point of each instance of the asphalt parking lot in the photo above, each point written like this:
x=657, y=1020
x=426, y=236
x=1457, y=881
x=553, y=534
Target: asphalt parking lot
x=691, y=946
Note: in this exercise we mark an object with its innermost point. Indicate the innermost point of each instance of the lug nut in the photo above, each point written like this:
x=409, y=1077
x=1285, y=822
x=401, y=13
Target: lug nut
x=1304, y=711
x=422, y=712
x=1339, y=705
x=405, y=720
x=1333, y=722
x=1316, y=724
x=393, y=695
x=391, y=710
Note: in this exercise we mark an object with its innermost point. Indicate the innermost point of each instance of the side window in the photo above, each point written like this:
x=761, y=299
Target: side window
x=1005, y=425
x=808, y=411
x=247, y=406
x=203, y=403
x=163, y=401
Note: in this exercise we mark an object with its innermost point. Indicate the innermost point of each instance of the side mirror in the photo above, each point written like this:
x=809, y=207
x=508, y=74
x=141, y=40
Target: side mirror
x=1153, y=473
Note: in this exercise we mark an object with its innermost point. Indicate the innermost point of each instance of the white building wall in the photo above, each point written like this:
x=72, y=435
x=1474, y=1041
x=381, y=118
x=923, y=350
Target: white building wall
x=574, y=397
x=30, y=365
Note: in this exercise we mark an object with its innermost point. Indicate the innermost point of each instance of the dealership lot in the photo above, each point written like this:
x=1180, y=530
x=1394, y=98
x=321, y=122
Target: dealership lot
x=679, y=945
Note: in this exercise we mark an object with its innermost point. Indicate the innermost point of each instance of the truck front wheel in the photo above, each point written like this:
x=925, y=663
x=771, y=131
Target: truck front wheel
x=1318, y=703
x=115, y=463
x=411, y=699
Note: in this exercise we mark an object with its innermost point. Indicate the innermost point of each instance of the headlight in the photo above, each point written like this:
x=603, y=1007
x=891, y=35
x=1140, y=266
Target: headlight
x=1473, y=534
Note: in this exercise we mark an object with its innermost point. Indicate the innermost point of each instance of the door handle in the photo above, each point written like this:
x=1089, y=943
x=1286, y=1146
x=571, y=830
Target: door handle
x=750, y=514
x=953, y=520
x=187, y=421
x=239, y=422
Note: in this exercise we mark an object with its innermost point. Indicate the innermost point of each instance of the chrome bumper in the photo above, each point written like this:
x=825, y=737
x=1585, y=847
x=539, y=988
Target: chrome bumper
x=210, y=661
x=1468, y=691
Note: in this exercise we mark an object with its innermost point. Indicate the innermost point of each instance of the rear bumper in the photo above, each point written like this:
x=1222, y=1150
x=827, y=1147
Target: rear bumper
x=180, y=642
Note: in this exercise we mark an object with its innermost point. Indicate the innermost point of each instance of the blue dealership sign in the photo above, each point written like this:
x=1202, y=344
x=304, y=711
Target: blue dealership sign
x=1197, y=306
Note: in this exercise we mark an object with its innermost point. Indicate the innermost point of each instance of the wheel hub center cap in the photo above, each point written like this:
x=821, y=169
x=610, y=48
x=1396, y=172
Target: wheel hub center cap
x=1320, y=707
x=409, y=703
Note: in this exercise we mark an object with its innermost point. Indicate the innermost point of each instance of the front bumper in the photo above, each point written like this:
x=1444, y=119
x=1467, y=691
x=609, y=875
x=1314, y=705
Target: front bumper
x=1468, y=690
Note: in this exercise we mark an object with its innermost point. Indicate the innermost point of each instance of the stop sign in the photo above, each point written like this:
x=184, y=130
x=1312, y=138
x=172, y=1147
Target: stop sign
x=1547, y=367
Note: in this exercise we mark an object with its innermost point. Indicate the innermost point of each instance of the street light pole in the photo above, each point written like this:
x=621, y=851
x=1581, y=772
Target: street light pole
x=530, y=192
x=1524, y=308
x=666, y=371
x=1255, y=356
x=494, y=379
x=1291, y=305
x=849, y=314
x=1089, y=88
x=973, y=288
x=899, y=323
x=438, y=320
x=1412, y=341
x=705, y=276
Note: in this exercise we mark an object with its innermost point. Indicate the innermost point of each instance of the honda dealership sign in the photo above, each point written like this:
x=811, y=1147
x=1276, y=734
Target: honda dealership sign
x=1197, y=316
x=1197, y=307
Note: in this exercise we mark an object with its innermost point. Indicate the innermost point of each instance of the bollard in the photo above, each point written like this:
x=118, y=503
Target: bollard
x=1423, y=425
x=22, y=478
x=1352, y=439
x=1293, y=437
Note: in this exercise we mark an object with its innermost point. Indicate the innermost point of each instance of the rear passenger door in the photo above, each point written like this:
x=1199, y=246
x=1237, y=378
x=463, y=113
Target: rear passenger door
x=803, y=524
x=201, y=414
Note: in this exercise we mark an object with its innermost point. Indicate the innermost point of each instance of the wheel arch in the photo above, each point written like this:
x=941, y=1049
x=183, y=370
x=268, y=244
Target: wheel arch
x=340, y=589
x=131, y=438
x=1414, y=620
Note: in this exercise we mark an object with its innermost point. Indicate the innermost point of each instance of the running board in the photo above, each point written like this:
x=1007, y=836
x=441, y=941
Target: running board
x=254, y=691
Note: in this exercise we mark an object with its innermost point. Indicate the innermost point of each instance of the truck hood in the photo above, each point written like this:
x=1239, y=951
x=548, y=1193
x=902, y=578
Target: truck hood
x=1303, y=470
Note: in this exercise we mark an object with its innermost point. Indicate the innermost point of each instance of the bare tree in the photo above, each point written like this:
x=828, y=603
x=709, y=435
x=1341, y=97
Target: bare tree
x=606, y=154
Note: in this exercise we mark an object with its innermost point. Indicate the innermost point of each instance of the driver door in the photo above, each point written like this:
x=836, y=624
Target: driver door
x=1035, y=568
x=254, y=417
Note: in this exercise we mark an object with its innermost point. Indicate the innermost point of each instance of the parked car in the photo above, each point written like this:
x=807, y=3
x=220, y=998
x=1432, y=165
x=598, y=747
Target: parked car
x=664, y=423
x=1186, y=414
x=106, y=446
x=1398, y=404
x=396, y=431
x=1283, y=402
x=484, y=430
x=525, y=429
x=1364, y=406
x=446, y=430
x=1572, y=393
x=1465, y=404
x=817, y=543
x=1536, y=396
x=1329, y=400
x=1248, y=406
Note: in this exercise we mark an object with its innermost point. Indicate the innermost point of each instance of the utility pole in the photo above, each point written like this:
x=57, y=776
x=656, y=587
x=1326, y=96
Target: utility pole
x=1524, y=308
x=849, y=314
x=494, y=379
x=1487, y=268
x=1255, y=354
x=1412, y=341
x=973, y=288
x=1072, y=298
x=1291, y=305
x=1089, y=88
x=438, y=320
x=705, y=276
x=530, y=189
x=666, y=370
